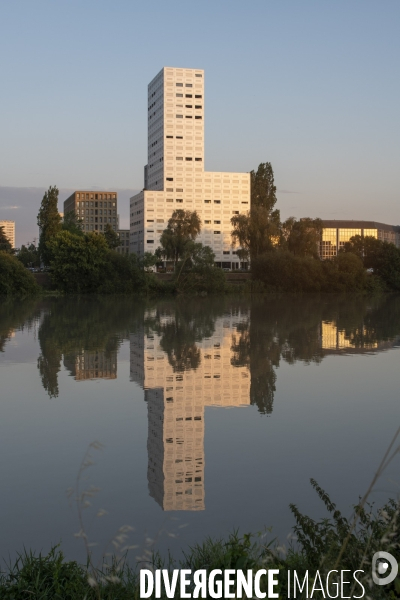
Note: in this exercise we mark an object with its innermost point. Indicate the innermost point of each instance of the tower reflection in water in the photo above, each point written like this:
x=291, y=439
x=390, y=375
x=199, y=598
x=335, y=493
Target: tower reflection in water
x=176, y=395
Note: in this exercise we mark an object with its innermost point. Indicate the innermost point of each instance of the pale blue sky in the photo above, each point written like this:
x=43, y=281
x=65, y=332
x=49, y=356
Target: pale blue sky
x=311, y=86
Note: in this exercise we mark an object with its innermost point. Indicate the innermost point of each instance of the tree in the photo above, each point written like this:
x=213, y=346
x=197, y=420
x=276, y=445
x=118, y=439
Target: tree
x=15, y=280
x=112, y=237
x=28, y=255
x=72, y=223
x=263, y=189
x=303, y=237
x=256, y=232
x=78, y=262
x=49, y=221
x=5, y=245
x=183, y=228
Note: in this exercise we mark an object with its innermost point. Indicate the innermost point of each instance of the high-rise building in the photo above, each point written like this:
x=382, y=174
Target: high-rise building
x=9, y=230
x=96, y=209
x=175, y=176
x=176, y=399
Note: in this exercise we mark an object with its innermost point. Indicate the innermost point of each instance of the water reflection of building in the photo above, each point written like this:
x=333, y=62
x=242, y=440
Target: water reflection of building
x=176, y=401
x=356, y=340
x=92, y=364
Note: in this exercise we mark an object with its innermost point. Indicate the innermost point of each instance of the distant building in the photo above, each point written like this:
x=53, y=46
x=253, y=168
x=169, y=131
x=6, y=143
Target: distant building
x=124, y=237
x=92, y=364
x=336, y=233
x=96, y=209
x=9, y=230
x=174, y=177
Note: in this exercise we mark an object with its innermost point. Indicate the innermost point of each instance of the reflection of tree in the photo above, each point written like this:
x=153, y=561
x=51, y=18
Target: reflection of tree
x=181, y=323
x=75, y=325
x=17, y=315
x=289, y=328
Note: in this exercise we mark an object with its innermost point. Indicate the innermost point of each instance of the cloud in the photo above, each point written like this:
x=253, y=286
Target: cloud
x=10, y=207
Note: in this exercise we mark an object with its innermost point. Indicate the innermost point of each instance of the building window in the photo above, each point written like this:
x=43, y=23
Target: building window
x=198, y=75
x=217, y=222
x=170, y=136
x=198, y=117
x=179, y=158
x=198, y=96
x=179, y=200
x=207, y=222
x=189, y=117
x=198, y=106
x=179, y=116
x=170, y=178
x=189, y=85
x=207, y=201
x=217, y=201
x=179, y=95
x=189, y=105
x=179, y=85
x=189, y=96
x=225, y=252
x=150, y=241
x=189, y=158
x=198, y=159
x=217, y=232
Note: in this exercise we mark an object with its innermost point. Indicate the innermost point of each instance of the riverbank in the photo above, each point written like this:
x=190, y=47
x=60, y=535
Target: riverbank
x=324, y=552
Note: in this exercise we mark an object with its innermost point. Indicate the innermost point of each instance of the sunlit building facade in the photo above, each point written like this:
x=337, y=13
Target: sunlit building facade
x=9, y=231
x=176, y=402
x=336, y=233
x=174, y=177
x=95, y=209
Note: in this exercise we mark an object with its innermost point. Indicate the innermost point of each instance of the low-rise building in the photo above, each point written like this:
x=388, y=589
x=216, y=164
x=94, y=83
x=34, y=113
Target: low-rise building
x=96, y=209
x=336, y=233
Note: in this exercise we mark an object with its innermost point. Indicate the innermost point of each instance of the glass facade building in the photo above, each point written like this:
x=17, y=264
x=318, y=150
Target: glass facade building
x=336, y=233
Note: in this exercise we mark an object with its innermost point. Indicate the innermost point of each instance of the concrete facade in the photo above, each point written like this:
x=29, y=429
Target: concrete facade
x=9, y=230
x=96, y=209
x=175, y=176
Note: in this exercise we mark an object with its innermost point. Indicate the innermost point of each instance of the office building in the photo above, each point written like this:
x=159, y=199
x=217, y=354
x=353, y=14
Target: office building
x=176, y=399
x=96, y=209
x=124, y=237
x=336, y=233
x=9, y=231
x=175, y=177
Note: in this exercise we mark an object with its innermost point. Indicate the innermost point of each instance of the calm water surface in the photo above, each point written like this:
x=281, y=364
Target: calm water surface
x=213, y=414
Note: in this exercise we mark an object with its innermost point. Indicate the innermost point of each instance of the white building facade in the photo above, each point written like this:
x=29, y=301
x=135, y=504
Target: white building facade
x=175, y=176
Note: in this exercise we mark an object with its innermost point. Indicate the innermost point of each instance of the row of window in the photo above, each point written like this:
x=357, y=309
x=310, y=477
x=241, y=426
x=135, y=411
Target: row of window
x=96, y=227
x=96, y=196
x=189, y=158
x=96, y=204
x=96, y=212
x=100, y=219
x=189, y=116
x=189, y=106
x=189, y=96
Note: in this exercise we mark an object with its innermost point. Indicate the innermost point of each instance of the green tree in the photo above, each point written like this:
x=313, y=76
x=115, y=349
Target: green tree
x=78, y=262
x=5, y=245
x=111, y=237
x=72, y=223
x=28, y=255
x=15, y=280
x=263, y=188
x=49, y=221
x=196, y=272
x=302, y=237
x=183, y=228
x=256, y=232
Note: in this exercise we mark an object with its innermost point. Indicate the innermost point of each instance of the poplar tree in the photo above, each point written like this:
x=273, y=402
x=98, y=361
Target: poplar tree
x=49, y=221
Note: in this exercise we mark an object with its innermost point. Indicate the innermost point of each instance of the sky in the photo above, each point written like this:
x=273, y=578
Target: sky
x=311, y=86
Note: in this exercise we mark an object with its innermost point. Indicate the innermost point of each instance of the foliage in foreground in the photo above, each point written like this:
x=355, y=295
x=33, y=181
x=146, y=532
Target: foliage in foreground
x=330, y=543
x=15, y=279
